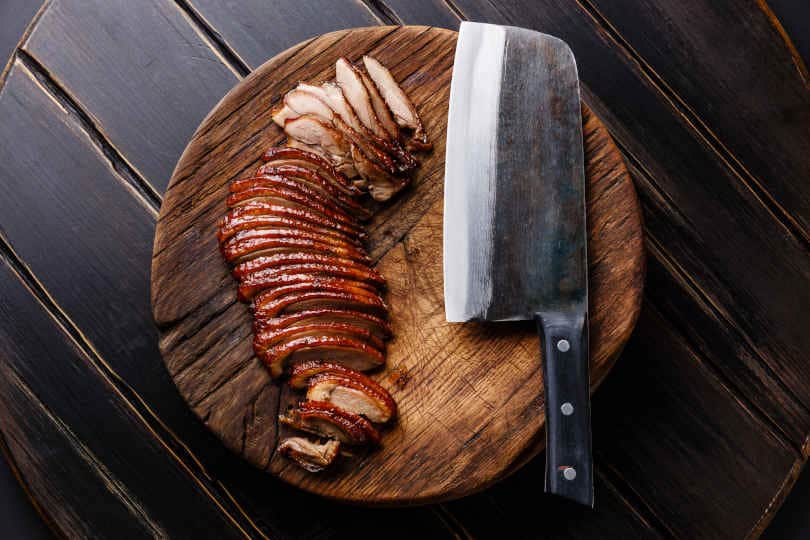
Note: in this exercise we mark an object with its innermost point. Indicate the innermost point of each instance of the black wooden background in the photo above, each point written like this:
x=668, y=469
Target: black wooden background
x=685, y=260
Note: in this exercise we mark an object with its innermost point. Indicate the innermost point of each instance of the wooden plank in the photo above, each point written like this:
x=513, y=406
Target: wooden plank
x=144, y=74
x=66, y=428
x=732, y=73
x=258, y=31
x=517, y=508
x=663, y=423
x=52, y=211
x=427, y=12
x=742, y=260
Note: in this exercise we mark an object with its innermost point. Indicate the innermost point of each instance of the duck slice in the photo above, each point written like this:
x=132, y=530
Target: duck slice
x=398, y=102
x=283, y=195
x=281, y=260
x=380, y=108
x=270, y=338
x=315, y=299
x=310, y=455
x=311, y=130
x=342, y=164
x=326, y=420
x=348, y=78
x=282, y=277
x=303, y=188
x=317, y=284
x=354, y=394
x=231, y=224
x=343, y=197
x=248, y=249
x=258, y=207
x=373, y=324
x=281, y=113
x=283, y=155
x=255, y=282
x=304, y=102
x=350, y=352
x=335, y=98
x=381, y=185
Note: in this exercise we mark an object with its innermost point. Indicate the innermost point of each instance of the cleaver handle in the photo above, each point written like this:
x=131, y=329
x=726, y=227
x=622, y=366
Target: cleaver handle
x=569, y=462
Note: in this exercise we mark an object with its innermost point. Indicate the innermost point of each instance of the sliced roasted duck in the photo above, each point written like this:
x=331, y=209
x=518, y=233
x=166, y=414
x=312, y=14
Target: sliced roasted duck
x=310, y=455
x=326, y=420
x=377, y=326
x=353, y=392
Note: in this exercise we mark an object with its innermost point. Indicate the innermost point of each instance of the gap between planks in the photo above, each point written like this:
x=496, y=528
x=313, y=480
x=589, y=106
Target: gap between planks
x=129, y=175
x=128, y=396
x=709, y=138
x=213, y=38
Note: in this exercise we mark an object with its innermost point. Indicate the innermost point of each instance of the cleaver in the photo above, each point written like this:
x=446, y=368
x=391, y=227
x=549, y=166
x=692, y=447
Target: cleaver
x=514, y=220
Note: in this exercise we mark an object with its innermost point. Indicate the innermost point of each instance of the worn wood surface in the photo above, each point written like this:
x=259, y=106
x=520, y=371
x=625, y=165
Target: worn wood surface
x=721, y=339
x=470, y=396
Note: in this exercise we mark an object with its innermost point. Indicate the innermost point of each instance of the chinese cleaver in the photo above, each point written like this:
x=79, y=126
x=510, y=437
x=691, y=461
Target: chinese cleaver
x=514, y=219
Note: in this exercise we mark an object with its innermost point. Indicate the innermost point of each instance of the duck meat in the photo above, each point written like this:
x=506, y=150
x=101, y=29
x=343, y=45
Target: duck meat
x=269, y=338
x=310, y=455
x=252, y=267
x=397, y=100
x=311, y=130
x=295, y=212
x=380, y=108
x=350, y=352
x=299, y=301
x=359, y=395
x=380, y=184
x=348, y=78
x=326, y=420
x=378, y=327
x=255, y=282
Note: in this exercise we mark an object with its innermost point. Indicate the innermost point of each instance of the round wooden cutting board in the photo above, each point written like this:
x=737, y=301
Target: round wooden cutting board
x=470, y=395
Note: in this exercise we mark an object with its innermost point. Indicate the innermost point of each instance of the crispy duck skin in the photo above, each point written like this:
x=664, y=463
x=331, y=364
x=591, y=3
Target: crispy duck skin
x=354, y=394
x=317, y=284
x=300, y=301
x=380, y=108
x=250, y=248
x=229, y=226
x=270, y=338
x=284, y=196
x=373, y=324
x=243, y=270
x=256, y=282
x=348, y=78
x=302, y=214
x=398, y=102
x=310, y=455
x=301, y=373
x=326, y=420
x=342, y=197
x=380, y=184
x=279, y=180
x=284, y=155
x=342, y=164
x=253, y=285
x=350, y=352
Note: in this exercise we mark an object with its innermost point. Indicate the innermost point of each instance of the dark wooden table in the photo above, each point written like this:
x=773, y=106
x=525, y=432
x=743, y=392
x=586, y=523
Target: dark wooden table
x=701, y=429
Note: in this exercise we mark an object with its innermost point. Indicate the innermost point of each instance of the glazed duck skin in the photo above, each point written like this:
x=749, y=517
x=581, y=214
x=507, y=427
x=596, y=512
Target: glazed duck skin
x=326, y=420
x=297, y=273
x=300, y=301
x=282, y=155
x=294, y=212
x=375, y=325
x=236, y=250
x=354, y=395
x=342, y=196
x=350, y=352
x=229, y=226
x=243, y=270
x=270, y=338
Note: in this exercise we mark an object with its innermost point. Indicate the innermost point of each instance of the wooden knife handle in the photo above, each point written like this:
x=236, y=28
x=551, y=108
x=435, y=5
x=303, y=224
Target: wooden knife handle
x=569, y=461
